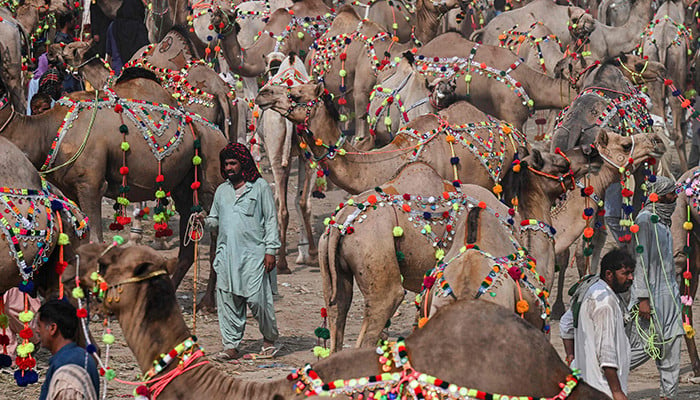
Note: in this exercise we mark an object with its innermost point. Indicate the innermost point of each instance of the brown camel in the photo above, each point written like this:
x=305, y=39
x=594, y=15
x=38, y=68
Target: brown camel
x=667, y=41
x=88, y=178
x=11, y=59
x=148, y=309
x=384, y=239
x=417, y=21
x=686, y=251
x=197, y=86
x=604, y=41
x=38, y=247
x=356, y=171
x=536, y=44
x=567, y=215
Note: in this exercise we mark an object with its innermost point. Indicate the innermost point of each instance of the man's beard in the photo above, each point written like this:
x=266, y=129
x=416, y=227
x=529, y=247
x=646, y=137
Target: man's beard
x=235, y=178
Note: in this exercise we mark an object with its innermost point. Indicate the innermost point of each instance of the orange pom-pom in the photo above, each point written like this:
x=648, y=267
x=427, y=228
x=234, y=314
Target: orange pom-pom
x=450, y=139
x=653, y=197
x=422, y=322
x=406, y=207
x=588, y=233
x=522, y=307
x=634, y=228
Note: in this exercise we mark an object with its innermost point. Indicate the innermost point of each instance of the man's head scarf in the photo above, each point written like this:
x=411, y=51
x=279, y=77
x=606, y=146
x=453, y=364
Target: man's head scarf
x=662, y=187
x=241, y=153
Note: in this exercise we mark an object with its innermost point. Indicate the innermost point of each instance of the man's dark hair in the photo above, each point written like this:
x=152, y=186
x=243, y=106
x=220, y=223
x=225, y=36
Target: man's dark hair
x=614, y=260
x=63, y=314
x=38, y=98
x=64, y=19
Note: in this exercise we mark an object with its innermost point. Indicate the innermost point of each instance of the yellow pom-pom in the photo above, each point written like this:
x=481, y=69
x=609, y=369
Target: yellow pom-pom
x=78, y=293
x=26, y=316
x=398, y=231
x=689, y=331
x=688, y=226
x=63, y=239
x=439, y=254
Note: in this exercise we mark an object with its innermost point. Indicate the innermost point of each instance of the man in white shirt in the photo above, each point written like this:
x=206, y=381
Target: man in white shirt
x=593, y=329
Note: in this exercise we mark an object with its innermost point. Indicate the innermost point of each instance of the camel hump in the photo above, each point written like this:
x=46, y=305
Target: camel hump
x=346, y=11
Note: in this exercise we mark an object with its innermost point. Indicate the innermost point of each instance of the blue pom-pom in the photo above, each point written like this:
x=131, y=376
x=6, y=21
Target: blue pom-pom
x=24, y=378
x=31, y=376
x=652, y=178
x=318, y=195
x=427, y=215
x=5, y=361
x=26, y=287
x=676, y=93
x=209, y=38
x=510, y=221
x=91, y=348
x=552, y=230
x=456, y=184
x=597, y=225
x=588, y=211
x=647, y=172
x=343, y=88
x=56, y=205
x=348, y=40
x=629, y=209
x=454, y=160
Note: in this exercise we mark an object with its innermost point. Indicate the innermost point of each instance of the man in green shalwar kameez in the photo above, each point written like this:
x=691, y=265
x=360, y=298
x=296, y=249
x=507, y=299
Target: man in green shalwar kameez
x=244, y=214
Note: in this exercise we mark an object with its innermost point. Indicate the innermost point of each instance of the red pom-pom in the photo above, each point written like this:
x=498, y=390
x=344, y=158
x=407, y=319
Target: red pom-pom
x=668, y=82
x=195, y=185
x=515, y=273
x=160, y=178
x=26, y=333
x=343, y=56
x=81, y=313
x=143, y=391
x=251, y=127
x=124, y=170
x=588, y=190
x=4, y=340
x=342, y=101
x=324, y=312
x=61, y=266
x=687, y=275
x=406, y=196
x=188, y=119
x=118, y=108
x=253, y=140
x=482, y=205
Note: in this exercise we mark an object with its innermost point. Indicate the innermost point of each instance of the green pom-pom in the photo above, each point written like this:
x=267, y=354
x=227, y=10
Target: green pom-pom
x=400, y=256
x=78, y=292
x=300, y=35
x=654, y=218
x=123, y=128
x=110, y=374
x=322, y=333
x=397, y=231
x=118, y=239
x=160, y=194
x=639, y=249
x=94, y=276
x=343, y=73
x=4, y=320
x=196, y=160
x=125, y=146
x=343, y=118
x=197, y=144
x=108, y=338
x=588, y=251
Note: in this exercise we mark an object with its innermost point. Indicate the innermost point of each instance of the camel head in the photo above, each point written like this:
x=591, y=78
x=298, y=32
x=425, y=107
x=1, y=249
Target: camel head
x=582, y=159
x=581, y=24
x=443, y=92
x=639, y=70
x=298, y=104
x=128, y=277
x=443, y=6
x=550, y=171
x=72, y=54
x=59, y=7
x=224, y=21
x=617, y=150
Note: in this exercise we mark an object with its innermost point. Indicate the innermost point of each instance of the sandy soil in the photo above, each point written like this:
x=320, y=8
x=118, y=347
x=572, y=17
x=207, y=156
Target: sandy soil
x=298, y=314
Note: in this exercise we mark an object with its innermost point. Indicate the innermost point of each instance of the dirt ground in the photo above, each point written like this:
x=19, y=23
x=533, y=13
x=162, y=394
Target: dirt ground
x=298, y=314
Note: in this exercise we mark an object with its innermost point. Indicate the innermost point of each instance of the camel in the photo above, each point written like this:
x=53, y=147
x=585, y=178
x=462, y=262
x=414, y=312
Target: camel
x=424, y=139
x=198, y=87
x=511, y=97
x=252, y=16
x=417, y=21
x=39, y=252
x=384, y=239
x=59, y=148
x=606, y=41
x=148, y=309
x=11, y=57
x=277, y=135
x=614, y=12
x=536, y=44
x=666, y=40
x=684, y=227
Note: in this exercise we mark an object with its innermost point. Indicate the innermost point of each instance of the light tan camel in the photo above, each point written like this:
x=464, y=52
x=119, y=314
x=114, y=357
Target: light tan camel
x=535, y=43
x=567, y=215
x=388, y=238
x=11, y=59
x=614, y=12
x=148, y=309
x=252, y=16
x=38, y=251
x=89, y=158
x=667, y=41
x=197, y=86
x=686, y=251
x=356, y=171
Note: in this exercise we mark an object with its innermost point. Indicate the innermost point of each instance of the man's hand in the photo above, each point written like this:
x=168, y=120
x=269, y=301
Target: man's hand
x=269, y=262
x=200, y=216
x=644, y=308
x=619, y=396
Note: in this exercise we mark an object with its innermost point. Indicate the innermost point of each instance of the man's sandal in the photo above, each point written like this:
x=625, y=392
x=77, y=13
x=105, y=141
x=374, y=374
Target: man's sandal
x=265, y=353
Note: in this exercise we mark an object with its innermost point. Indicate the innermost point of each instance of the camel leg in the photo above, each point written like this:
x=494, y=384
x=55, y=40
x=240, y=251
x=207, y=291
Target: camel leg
x=183, y=204
x=558, y=309
x=679, y=139
x=308, y=254
x=208, y=302
x=90, y=202
x=338, y=310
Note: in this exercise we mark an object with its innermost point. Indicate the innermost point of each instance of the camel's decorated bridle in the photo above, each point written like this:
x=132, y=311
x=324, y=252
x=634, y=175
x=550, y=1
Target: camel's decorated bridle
x=569, y=175
x=634, y=74
x=102, y=287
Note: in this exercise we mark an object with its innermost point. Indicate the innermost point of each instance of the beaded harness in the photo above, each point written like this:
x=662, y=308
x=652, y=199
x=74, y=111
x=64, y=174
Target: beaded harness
x=454, y=67
x=314, y=26
x=152, y=119
x=400, y=380
x=513, y=39
x=682, y=37
x=390, y=97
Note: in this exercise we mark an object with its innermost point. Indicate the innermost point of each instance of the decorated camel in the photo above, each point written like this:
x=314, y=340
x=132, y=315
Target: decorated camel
x=194, y=84
x=148, y=309
x=491, y=78
x=686, y=253
x=141, y=148
x=388, y=237
x=667, y=41
x=11, y=59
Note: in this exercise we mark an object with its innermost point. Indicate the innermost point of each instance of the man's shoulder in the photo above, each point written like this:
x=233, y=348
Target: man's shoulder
x=600, y=295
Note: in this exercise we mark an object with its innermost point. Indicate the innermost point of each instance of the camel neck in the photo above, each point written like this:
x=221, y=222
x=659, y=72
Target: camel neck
x=427, y=22
x=95, y=73
x=43, y=129
x=534, y=204
x=548, y=92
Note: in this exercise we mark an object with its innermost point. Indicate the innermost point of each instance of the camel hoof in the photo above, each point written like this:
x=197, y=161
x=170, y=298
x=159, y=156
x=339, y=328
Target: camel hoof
x=305, y=259
x=284, y=271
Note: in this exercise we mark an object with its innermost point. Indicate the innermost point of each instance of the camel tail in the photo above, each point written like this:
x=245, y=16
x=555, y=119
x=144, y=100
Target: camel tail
x=328, y=262
x=477, y=35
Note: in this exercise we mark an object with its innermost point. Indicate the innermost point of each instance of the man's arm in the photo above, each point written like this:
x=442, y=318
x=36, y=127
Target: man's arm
x=639, y=289
x=614, y=383
x=566, y=331
x=269, y=221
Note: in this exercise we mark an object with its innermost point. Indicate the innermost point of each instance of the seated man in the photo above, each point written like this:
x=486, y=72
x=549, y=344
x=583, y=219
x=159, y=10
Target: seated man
x=72, y=373
x=41, y=102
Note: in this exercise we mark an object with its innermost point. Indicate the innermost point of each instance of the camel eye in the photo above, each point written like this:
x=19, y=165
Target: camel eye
x=627, y=146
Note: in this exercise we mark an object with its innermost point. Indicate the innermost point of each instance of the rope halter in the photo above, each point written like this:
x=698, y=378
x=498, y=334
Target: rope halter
x=569, y=175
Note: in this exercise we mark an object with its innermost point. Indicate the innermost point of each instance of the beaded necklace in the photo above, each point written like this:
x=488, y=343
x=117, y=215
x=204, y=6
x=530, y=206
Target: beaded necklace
x=390, y=97
x=314, y=26
x=682, y=34
x=400, y=380
x=182, y=351
x=454, y=67
x=513, y=39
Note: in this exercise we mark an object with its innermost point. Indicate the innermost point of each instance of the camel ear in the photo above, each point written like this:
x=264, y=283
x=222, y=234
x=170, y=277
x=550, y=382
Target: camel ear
x=569, y=10
x=523, y=152
x=319, y=89
x=602, y=139
x=537, y=159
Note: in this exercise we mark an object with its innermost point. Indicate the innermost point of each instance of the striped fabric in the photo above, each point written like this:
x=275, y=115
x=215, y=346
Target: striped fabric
x=71, y=382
